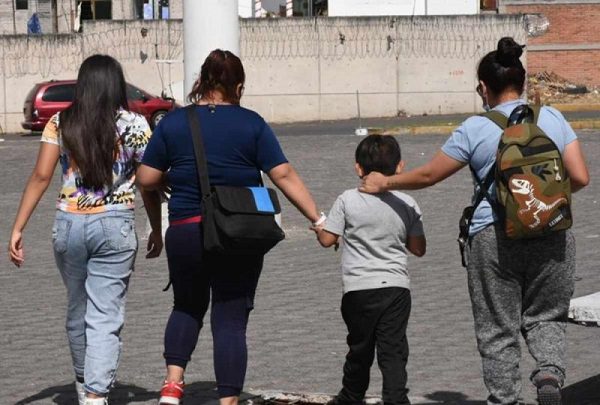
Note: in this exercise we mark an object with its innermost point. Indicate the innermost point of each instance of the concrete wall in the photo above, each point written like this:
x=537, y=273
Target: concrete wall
x=297, y=69
x=571, y=46
x=304, y=69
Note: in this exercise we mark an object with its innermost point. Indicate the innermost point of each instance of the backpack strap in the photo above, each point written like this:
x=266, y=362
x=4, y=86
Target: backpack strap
x=497, y=118
x=484, y=186
x=483, y=193
x=536, y=108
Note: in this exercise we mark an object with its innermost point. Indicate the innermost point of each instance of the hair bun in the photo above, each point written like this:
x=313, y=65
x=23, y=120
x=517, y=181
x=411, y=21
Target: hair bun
x=508, y=52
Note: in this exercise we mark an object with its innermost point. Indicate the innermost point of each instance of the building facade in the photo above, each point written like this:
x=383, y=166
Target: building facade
x=571, y=45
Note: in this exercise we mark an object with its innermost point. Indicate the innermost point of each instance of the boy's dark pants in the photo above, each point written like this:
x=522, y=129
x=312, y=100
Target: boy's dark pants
x=376, y=319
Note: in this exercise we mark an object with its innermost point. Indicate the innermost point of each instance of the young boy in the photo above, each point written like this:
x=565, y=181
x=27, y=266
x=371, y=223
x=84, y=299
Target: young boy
x=377, y=231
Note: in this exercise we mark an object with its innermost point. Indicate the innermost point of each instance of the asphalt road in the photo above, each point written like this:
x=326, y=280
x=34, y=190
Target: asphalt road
x=296, y=335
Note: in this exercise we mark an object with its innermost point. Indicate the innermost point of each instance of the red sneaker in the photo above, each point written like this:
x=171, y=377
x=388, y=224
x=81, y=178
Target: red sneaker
x=171, y=393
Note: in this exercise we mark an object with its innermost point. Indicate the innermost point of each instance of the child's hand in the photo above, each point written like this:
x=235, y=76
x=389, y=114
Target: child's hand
x=326, y=239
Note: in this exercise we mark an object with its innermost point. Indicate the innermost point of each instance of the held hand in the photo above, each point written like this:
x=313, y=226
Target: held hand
x=15, y=249
x=316, y=229
x=155, y=245
x=373, y=183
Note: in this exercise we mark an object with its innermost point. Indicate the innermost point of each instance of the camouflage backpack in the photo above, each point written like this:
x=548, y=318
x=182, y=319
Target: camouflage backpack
x=533, y=190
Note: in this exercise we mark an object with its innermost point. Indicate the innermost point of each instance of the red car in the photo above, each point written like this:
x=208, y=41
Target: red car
x=48, y=98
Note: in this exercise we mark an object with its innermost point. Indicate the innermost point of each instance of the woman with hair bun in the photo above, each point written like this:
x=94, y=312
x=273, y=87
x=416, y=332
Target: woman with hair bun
x=515, y=286
x=239, y=144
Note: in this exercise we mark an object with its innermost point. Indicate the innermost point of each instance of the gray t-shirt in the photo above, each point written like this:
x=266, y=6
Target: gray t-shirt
x=374, y=230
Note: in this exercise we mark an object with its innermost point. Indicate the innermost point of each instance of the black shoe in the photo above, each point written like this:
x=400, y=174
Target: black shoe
x=548, y=392
x=337, y=400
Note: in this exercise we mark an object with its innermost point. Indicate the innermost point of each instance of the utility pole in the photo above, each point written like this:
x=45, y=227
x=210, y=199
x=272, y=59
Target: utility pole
x=207, y=25
x=14, y=12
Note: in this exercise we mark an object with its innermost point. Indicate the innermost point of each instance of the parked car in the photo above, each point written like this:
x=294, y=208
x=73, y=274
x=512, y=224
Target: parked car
x=47, y=98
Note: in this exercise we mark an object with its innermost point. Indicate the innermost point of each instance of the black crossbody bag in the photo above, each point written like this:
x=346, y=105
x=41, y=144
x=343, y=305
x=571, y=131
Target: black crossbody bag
x=235, y=220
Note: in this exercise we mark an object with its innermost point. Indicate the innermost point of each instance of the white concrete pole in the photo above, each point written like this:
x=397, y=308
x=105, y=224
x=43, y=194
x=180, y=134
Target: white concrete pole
x=289, y=8
x=207, y=25
x=258, y=9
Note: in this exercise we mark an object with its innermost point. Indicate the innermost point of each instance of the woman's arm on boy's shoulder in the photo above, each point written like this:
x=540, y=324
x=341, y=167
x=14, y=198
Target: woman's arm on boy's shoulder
x=417, y=245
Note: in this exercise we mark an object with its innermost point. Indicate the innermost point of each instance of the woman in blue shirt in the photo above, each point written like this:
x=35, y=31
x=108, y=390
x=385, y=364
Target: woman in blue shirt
x=239, y=145
x=514, y=286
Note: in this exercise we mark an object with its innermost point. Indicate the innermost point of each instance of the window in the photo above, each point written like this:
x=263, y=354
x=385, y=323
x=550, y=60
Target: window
x=59, y=93
x=21, y=4
x=133, y=93
x=96, y=9
x=152, y=9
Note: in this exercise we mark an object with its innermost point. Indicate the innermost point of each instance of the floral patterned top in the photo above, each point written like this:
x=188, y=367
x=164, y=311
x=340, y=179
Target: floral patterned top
x=135, y=133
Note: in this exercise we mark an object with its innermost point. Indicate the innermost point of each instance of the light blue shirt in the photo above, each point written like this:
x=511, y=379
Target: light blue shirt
x=475, y=142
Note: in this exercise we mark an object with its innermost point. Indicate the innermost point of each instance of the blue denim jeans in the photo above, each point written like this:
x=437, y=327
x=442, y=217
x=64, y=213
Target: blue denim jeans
x=95, y=254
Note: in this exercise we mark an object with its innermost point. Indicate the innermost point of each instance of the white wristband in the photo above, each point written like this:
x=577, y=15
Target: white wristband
x=321, y=220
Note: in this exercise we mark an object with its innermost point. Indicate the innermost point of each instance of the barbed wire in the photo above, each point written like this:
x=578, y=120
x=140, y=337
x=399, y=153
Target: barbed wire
x=51, y=55
x=358, y=38
x=456, y=37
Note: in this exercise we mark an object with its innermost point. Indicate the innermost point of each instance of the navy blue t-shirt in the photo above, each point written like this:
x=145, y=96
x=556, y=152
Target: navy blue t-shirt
x=238, y=144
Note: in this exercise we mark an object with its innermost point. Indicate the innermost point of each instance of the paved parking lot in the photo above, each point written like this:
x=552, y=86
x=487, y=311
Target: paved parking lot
x=296, y=335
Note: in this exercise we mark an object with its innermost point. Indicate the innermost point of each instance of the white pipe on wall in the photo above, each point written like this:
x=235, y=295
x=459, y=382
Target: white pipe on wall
x=207, y=25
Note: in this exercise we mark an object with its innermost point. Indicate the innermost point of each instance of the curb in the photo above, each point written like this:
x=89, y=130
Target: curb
x=445, y=129
x=585, y=124
x=575, y=107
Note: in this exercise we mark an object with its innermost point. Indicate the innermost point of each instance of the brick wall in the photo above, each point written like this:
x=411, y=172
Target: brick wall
x=581, y=67
x=571, y=46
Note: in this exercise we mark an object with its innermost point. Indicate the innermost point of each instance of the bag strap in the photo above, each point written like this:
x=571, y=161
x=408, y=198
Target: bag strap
x=502, y=121
x=484, y=186
x=199, y=151
x=536, y=108
x=497, y=118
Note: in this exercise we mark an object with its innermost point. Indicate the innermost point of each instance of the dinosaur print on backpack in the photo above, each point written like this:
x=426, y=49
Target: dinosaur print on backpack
x=532, y=186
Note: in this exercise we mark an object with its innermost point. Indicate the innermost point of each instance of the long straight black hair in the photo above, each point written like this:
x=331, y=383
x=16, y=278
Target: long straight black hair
x=88, y=127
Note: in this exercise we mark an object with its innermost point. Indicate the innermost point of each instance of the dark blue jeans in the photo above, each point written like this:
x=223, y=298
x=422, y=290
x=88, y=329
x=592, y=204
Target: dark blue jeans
x=232, y=280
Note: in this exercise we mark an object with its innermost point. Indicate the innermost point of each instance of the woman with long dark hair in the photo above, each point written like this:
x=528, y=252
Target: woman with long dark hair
x=238, y=144
x=516, y=286
x=100, y=145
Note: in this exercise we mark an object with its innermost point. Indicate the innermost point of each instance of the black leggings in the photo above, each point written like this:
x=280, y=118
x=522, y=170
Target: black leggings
x=232, y=280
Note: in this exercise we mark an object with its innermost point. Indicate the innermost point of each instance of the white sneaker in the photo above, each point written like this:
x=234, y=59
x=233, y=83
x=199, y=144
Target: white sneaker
x=80, y=392
x=96, y=401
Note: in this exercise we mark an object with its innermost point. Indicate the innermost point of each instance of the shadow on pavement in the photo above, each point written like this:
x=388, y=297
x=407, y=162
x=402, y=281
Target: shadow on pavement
x=202, y=392
x=586, y=392
x=451, y=398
